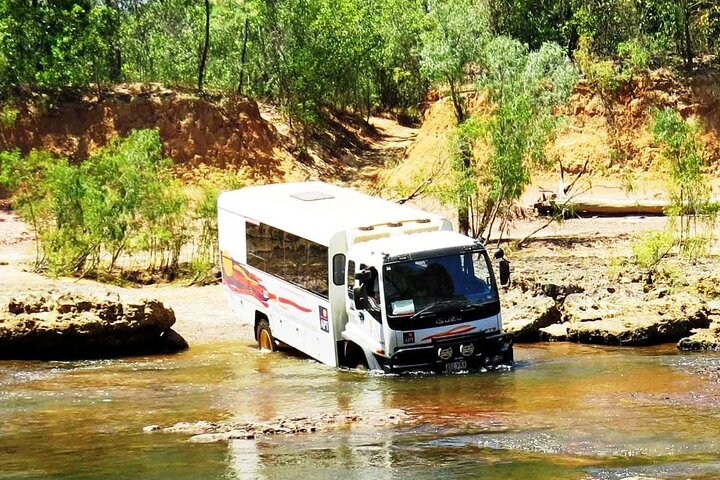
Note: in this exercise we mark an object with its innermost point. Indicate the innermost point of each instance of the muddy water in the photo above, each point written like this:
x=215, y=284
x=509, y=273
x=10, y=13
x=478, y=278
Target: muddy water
x=566, y=412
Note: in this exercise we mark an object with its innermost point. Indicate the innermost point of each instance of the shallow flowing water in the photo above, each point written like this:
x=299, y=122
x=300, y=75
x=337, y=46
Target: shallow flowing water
x=565, y=412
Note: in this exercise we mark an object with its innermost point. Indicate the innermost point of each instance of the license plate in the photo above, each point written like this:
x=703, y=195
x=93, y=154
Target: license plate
x=456, y=366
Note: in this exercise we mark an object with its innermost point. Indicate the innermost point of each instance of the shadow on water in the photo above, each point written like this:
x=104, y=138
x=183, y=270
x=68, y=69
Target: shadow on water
x=564, y=412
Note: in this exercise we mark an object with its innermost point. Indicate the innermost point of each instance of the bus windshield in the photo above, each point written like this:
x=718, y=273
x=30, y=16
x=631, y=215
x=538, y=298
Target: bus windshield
x=451, y=281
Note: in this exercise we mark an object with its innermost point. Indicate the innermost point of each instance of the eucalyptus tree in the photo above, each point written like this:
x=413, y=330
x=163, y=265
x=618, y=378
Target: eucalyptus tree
x=523, y=89
x=457, y=31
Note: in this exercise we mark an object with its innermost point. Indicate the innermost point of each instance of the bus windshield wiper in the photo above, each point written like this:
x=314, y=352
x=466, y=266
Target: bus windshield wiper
x=440, y=303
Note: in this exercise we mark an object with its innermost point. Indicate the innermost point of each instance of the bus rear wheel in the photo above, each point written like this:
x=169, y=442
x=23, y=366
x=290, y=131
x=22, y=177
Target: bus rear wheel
x=264, y=337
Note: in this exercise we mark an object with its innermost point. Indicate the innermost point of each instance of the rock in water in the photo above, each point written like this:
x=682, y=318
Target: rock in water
x=555, y=333
x=701, y=340
x=524, y=315
x=53, y=326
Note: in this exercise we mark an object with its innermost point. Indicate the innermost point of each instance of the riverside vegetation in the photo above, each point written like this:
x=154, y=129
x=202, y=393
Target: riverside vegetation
x=123, y=200
x=320, y=56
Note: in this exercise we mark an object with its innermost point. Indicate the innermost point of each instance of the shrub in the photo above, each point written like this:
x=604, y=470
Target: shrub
x=651, y=248
x=693, y=214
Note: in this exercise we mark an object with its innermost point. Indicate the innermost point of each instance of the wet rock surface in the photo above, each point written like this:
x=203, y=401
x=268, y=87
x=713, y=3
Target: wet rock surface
x=703, y=339
x=71, y=326
x=212, y=432
x=583, y=300
x=554, y=333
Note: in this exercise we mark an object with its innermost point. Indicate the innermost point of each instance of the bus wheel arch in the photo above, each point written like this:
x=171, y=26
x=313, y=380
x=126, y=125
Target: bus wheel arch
x=355, y=356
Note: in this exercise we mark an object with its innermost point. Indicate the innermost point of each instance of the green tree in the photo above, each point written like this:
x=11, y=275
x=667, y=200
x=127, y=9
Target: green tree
x=524, y=88
x=54, y=44
x=457, y=31
x=121, y=198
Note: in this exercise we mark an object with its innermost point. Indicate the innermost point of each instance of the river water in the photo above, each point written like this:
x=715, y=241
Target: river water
x=566, y=412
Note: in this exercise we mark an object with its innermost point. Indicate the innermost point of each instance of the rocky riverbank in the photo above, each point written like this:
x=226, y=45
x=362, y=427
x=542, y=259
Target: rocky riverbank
x=590, y=300
x=705, y=338
x=70, y=326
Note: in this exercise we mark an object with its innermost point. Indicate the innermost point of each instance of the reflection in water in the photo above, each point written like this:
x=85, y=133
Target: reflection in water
x=566, y=412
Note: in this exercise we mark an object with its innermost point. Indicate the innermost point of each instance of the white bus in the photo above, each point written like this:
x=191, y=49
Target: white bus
x=356, y=281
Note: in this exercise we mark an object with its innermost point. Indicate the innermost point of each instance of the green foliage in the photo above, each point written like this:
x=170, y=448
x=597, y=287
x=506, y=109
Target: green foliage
x=161, y=41
x=550, y=21
x=463, y=189
x=524, y=88
x=120, y=199
x=457, y=31
x=54, y=44
x=602, y=75
x=651, y=248
x=8, y=115
x=634, y=55
x=609, y=22
x=610, y=79
x=689, y=188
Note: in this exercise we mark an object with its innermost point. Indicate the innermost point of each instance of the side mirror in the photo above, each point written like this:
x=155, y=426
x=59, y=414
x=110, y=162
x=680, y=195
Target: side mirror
x=504, y=267
x=361, y=298
x=363, y=276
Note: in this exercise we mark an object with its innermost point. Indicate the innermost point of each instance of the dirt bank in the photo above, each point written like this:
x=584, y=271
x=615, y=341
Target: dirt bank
x=222, y=131
x=614, y=139
x=218, y=131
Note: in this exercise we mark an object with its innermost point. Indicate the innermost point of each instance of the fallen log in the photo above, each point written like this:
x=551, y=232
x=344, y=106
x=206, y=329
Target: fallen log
x=601, y=206
x=598, y=206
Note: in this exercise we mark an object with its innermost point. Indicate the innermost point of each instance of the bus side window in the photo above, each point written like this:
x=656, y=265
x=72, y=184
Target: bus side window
x=338, y=273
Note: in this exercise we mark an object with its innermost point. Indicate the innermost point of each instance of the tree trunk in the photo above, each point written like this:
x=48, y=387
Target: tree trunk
x=688, y=51
x=604, y=206
x=243, y=57
x=464, y=208
x=457, y=103
x=115, y=57
x=203, y=55
x=464, y=220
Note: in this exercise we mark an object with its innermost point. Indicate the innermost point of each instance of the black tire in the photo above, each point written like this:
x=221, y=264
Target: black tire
x=264, y=336
x=355, y=358
x=362, y=365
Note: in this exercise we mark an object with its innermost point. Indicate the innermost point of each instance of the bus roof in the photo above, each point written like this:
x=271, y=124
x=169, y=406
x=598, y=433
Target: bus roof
x=315, y=210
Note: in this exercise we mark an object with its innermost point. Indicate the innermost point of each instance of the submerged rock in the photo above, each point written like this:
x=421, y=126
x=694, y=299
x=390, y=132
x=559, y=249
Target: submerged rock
x=76, y=326
x=224, y=431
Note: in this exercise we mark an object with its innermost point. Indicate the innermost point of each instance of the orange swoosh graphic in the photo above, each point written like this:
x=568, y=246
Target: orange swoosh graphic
x=453, y=331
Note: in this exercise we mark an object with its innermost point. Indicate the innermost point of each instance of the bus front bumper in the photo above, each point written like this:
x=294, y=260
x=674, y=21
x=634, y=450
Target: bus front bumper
x=456, y=354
